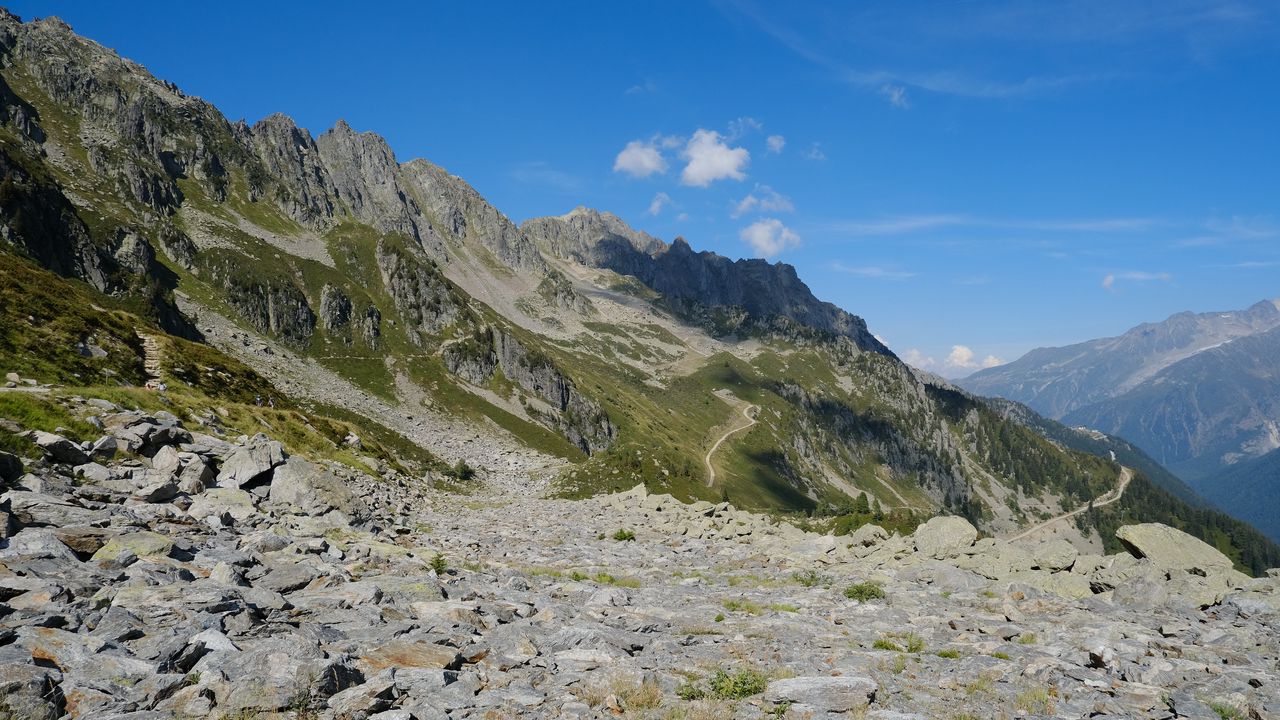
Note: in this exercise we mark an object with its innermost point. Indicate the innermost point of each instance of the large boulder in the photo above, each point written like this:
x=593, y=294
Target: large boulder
x=1171, y=549
x=309, y=489
x=1054, y=555
x=944, y=537
x=59, y=449
x=251, y=462
x=822, y=694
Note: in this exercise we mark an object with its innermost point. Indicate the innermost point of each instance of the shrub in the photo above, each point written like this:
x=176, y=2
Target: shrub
x=915, y=643
x=950, y=654
x=864, y=591
x=624, y=535
x=438, y=564
x=742, y=684
x=886, y=644
x=808, y=578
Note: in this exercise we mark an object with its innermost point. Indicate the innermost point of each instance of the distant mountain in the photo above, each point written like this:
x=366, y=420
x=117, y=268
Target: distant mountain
x=1248, y=490
x=1200, y=393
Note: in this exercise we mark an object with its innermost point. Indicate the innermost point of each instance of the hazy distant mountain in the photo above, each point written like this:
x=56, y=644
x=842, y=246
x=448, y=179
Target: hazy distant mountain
x=1056, y=381
x=1249, y=490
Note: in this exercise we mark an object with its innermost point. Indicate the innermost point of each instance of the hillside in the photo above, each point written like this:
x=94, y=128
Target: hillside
x=572, y=355
x=1248, y=490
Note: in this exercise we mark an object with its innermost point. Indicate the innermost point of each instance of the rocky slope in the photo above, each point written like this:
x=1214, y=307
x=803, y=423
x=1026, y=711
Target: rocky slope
x=169, y=569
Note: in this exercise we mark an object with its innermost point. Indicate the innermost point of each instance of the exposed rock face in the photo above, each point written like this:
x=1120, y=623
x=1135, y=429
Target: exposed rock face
x=335, y=308
x=697, y=282
x=291, y=157
x=579, y=418
x=422, y=295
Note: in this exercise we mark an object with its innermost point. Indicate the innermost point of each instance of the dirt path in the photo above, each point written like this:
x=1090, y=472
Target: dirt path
x=152, y=356
x=751, y=420
x=1104, y=499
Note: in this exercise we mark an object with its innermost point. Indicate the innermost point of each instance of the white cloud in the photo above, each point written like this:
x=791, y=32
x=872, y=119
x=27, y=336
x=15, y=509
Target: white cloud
x=1109, y=282
x=648, y=86
x=915, y=358
x=711, y=159
x=815, y=152
x=640, y=159
x=682, y=217
x=768, y=237
x=762, y=199
x=659, y=201
x=775, y=143
x=991, y=361
x=961, y=357
x=872, y=271
x=896, y=94
x=744, y=126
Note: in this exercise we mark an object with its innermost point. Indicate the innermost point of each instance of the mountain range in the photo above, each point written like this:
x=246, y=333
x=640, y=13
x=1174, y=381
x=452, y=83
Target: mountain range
x=571, y=352
x=1199, y=392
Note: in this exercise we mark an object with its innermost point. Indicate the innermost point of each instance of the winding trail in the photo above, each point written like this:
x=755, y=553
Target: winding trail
x=751, y=420
x=1106, y=498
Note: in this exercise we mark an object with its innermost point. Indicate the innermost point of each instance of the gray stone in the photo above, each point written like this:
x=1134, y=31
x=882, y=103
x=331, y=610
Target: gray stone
x=59, y=449
x=251, y=462
x=1171, y=549
x=944, y=537
x=306, y=488
x=823, y=694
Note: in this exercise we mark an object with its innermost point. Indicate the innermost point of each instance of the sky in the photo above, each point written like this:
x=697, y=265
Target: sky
x=975, y=179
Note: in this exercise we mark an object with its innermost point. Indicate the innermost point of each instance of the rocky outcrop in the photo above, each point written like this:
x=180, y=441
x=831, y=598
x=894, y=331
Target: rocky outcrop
x=579, y=418
x=699, y=285
x=424, y=299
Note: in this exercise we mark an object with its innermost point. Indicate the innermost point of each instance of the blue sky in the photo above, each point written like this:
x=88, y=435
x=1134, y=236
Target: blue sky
x=975, y=179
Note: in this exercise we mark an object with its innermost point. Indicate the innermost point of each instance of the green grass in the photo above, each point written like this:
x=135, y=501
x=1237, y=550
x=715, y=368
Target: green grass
x=725, y=685
x=624, y=536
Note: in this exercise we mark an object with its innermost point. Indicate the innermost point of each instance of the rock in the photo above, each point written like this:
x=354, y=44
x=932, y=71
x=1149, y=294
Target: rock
x=1172, y=549
x=10, y=467
x=1054, y=555
x=249, y=463
x=823, y=694
x=409, y=653
x=307, y=488
x=233, y=503
x=943, y=537
x=32, y=508
x=83, y=540
x=30, y=692
x=59, y=449
x=139, y=544
x=868, y=535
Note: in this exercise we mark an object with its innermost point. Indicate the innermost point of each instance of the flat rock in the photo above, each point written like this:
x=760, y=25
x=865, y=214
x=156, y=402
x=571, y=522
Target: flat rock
x=823, y=694
x=1171, y=549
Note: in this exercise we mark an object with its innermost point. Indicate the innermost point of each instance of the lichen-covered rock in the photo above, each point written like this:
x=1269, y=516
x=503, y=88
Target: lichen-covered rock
x=1171, y=549
x=943, y=537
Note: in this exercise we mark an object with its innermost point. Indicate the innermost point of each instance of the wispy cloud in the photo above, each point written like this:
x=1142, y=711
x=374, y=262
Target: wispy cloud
x=775, y=143
x=659, y=201
x=543, y=174
x=768, y=237
x=896, y=94
x=815, y=152
x=872, y=271
x=1140, y=276
x=762, y=199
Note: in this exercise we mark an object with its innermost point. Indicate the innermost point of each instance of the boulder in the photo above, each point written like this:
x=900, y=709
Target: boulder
x=10, y=467
x=944, y=537
x=1171, y=549
x=309, y=489
x=1054, y=555
x=250, y=462
x=59, y=449
x=31, y=692
x=823, y=694
x=218, y=502
x=868, y=535
x=139, y=544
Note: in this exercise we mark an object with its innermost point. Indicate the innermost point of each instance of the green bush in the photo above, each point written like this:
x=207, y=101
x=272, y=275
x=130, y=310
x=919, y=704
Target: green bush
x=624, y=535
x=864, y=591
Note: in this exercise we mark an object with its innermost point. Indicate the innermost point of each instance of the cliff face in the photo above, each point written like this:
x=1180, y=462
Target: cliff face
x=751, y=295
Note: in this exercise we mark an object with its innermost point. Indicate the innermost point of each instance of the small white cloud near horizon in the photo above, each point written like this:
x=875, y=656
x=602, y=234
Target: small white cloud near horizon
x=710, y=158
x=960, y=361
x=659, y=201
x=768, y=237
x=762, y=199
x=896, y=95
x=640, y=159
x=774, y=144
x=1109, y=282
x=872, y=271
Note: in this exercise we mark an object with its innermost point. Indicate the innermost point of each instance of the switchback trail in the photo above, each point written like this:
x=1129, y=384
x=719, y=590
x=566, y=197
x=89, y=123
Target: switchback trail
x=751, y=420
x=1104, y=499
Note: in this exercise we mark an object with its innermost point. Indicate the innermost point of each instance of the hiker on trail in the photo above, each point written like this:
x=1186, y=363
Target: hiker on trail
x=258, y=400
x=271, y=400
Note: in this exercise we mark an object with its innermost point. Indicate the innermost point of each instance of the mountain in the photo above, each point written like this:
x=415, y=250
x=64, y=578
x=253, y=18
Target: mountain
x=1248, y=490
x=571, y=355
x=1200, y=393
